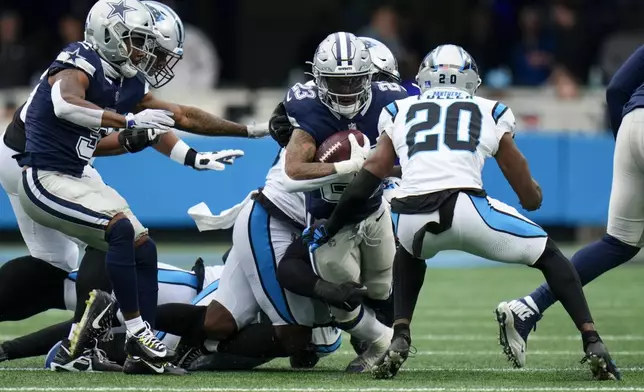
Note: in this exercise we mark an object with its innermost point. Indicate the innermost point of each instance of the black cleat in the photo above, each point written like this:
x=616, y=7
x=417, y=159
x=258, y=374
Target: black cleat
x=388, y=365
x=137, y=365
x=96, y=321
x=347, y=296
x=92, y=360
x=601, y=364
x=186, y=355
x=305, y=359
x=146, y=346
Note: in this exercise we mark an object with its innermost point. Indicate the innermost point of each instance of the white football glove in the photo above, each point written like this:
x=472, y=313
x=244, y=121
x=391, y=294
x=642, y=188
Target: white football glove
x=359, y=154
x=257, y=130
x=216, y=160
x=150, y=118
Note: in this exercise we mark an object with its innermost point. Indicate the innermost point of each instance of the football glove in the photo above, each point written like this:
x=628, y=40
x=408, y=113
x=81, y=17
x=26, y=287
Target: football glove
x=135, y=140
x=216, y=160
x=315, y=235
x=279, y=126
x=149, y=118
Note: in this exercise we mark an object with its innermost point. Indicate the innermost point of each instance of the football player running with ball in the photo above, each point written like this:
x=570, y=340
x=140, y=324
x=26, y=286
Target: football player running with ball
x=442, y=139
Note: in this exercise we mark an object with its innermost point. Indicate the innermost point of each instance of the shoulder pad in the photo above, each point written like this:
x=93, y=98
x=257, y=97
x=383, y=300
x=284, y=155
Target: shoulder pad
x=80, y=55
x=498, y=110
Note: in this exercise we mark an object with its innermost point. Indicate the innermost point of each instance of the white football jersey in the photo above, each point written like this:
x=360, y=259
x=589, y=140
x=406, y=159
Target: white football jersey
x=443, y=137
x=292, y=204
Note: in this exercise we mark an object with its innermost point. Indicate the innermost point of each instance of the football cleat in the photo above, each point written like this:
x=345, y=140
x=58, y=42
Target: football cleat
x=186, y=355
x=388, y=365
x=305, y=359
x=363, y=363
x=59, y=359
x=145, y=345
x=138, y=365
x=601, y=364
x=516, y=319
x=96, y=321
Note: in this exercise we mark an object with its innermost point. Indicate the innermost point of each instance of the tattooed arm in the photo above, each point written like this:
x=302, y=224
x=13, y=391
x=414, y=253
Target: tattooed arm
x=194, y=120
x=300, y=153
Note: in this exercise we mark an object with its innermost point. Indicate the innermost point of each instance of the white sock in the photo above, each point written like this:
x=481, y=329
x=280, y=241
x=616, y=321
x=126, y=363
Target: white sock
x=368, y=328
x=71, y=331
x=135, y=325
x=528, y=299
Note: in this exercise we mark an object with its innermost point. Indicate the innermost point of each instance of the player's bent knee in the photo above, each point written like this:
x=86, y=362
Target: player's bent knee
x=294, y=338
x=219, y=323
x=119, y=230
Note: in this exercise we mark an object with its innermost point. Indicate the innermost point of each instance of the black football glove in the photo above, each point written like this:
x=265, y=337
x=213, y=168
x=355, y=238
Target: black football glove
x=279, y=126
x=135, y=140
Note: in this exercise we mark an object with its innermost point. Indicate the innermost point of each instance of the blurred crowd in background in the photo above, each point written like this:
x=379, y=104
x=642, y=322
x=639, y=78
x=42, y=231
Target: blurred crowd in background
x=570, y=45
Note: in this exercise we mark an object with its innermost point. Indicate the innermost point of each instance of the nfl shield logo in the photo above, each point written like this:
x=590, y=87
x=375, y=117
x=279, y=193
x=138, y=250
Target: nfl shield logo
x=352, y=126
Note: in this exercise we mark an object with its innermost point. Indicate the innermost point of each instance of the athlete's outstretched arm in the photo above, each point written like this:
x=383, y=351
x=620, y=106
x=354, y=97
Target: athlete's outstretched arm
x=515, y=169
x=197, y=121
x=367, y=181
x=68, y=88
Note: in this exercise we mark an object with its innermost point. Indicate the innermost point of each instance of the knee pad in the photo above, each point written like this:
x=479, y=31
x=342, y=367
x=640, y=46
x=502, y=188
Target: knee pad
x=120, y=232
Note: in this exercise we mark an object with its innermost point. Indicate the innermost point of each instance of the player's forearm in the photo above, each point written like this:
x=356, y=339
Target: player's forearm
x=166, y=143
x=309, y=170
x=73, y=107
x=109, y=146
x=199, y=122
x=358, y=191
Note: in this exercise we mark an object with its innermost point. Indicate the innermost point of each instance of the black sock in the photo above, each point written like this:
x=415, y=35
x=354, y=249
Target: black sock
x=91, y=275
x=295, y=273
x=564, y=283
x=121, y=266
x=254, y=341
x=384, y=309
x=183, y=320
x=409, y=275
x=147, y=280
x=37, y=343
x=18, y=277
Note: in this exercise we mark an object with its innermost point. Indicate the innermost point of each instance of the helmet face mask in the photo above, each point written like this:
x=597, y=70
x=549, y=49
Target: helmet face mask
x=385, y=65
x=342, y=71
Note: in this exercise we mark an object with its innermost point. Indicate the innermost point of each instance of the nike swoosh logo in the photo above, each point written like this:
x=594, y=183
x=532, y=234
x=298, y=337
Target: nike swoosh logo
x=381, y=215
x=288, y=96
x=96, y=323
x=156, y=368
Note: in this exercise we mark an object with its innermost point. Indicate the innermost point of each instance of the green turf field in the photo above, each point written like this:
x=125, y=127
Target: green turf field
x=454, y=332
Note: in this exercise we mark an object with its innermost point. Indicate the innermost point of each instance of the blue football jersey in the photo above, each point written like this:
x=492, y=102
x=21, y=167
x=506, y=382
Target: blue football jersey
x=59, y=145
x=309, y=114
x=411, y=87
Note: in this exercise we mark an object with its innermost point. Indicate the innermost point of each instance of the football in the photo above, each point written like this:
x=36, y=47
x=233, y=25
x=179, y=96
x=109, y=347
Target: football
x=337, y=147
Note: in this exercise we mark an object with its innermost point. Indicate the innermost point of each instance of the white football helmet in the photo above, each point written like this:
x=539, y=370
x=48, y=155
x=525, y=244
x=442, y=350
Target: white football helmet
x=448, y=66
x=169, y=49
x=385, y=66
x=123, y=34
x=342, y=72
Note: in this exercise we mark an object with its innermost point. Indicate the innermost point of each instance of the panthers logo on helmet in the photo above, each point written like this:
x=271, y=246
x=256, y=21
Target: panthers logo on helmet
x=157, y=14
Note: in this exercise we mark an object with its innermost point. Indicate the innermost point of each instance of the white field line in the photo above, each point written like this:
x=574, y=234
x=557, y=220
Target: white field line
x=313, y=389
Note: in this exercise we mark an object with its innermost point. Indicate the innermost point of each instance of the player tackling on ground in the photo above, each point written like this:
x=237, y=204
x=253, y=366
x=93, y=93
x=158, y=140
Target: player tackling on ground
x=442, y=139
